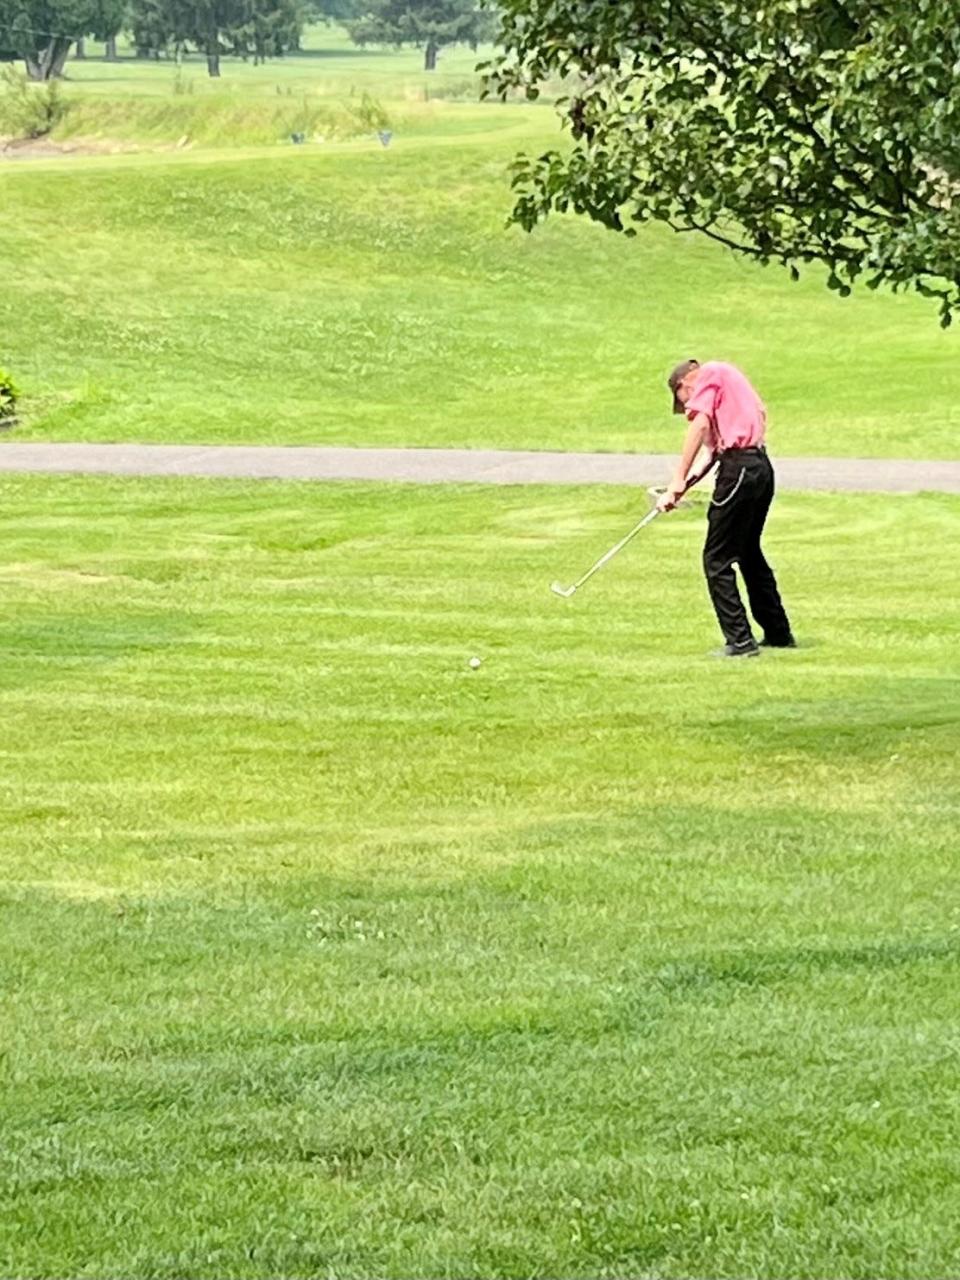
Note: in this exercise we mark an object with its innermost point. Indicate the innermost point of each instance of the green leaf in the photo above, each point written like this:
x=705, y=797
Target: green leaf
x=846, y=153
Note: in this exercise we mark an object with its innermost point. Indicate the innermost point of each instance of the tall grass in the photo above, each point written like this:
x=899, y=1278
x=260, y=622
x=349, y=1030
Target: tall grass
x=224, y=119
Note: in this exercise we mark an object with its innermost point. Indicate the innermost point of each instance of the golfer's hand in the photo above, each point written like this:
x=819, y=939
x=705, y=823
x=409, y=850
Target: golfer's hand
x=670, y=497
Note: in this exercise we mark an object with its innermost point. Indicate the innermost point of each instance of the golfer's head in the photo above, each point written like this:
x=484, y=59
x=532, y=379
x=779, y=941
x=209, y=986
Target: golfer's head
x=681, y=383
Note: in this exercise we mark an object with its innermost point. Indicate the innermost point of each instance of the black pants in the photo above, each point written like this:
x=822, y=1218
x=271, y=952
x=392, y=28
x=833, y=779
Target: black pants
x=741, y=500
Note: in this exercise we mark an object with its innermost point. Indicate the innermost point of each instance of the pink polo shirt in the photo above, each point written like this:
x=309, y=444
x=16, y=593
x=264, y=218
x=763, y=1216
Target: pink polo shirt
x=738, y=419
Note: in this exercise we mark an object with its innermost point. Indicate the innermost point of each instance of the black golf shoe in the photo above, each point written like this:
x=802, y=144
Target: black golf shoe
x=787, y=643
x=751, y=650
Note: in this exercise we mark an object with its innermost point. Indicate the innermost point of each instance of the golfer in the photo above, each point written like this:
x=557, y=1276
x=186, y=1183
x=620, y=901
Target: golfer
x=727, y=417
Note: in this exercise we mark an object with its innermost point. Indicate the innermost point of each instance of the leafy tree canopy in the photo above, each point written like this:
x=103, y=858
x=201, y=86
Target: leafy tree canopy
x=269, y=29
x=261, y=28
x=331, y=10
x=795, y=131
x=42, y=31
x=151, y=24
x=430, y=24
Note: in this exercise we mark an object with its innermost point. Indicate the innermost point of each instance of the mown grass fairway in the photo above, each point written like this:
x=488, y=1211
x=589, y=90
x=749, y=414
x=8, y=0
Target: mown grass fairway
x=343, y=293
x=323, y=955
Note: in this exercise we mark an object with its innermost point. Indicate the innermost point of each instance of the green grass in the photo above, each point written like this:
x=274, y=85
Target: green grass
x=323, y=955
x=362, y=296
x=341, y=293
x=329, y=64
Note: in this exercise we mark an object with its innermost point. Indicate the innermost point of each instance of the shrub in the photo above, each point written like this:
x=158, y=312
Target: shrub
x=28, y=110
x=9, y=393
x=370, y=114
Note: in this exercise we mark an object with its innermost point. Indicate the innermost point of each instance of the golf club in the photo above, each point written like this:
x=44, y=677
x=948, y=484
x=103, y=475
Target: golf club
x=567, y=592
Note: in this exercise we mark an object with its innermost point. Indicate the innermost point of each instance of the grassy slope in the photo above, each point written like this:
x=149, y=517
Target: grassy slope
x=324, y=955
x=351, y=295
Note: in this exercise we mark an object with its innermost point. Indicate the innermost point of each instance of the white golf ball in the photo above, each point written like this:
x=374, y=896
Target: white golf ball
x=474, y=663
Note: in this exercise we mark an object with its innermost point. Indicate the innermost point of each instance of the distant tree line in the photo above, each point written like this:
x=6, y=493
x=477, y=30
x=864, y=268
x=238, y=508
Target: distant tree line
x=257, y=29
x=43, y=32
x=330, y=10
x=428, y=24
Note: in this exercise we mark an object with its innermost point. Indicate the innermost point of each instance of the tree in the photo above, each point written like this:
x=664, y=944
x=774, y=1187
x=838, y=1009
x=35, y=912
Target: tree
x=428, y=24
x=41, y=32
x=151, y=25
x=205, y=24
x=107, y=18
x=269, y=29
x=261, y=28
x=798, y=131
x=331, y=10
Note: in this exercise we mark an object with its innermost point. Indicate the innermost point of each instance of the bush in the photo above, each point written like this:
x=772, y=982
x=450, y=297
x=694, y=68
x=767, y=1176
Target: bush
x=370, y=114
x=9, y=392
x=28, y=110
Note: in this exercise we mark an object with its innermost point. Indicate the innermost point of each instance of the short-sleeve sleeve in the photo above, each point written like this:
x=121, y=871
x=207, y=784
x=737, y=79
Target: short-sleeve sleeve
x=706, y=396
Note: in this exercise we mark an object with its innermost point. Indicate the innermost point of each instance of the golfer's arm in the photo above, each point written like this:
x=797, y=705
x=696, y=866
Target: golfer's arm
x=696, y=437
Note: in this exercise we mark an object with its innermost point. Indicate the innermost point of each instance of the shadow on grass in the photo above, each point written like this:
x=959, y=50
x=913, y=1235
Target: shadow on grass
x=50, y=646
x=869, y=726
x=768, y=968
x=331, y=55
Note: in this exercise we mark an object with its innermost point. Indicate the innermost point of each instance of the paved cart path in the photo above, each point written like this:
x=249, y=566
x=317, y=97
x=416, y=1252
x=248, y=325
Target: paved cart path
x=453, y=466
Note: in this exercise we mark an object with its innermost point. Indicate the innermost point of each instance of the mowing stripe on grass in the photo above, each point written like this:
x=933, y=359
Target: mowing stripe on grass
x=322, y=954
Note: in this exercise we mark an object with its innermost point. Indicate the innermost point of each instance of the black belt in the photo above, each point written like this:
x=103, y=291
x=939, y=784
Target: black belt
x=737, y=453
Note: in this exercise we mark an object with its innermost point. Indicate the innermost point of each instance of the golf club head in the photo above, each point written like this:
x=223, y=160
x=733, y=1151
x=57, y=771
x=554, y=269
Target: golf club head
x=566, y=592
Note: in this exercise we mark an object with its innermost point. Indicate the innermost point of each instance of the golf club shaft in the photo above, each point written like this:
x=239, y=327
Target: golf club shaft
x=651, y=515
